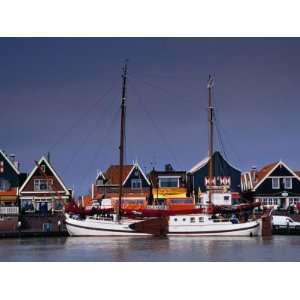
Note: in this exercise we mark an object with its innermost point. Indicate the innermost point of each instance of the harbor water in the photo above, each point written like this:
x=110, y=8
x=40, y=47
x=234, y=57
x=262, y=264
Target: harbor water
x=119, y=249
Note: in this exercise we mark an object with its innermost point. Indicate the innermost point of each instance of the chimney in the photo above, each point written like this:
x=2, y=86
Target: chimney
x=253, y=173
x=168, y=167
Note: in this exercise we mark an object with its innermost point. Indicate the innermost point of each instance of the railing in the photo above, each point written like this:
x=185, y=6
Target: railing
x=9, y=210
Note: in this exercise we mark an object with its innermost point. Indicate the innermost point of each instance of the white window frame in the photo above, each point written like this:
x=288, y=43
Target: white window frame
x=135, y=180
x=275, y=187
x=288, y=187
x=37, y=185
x=168, y=177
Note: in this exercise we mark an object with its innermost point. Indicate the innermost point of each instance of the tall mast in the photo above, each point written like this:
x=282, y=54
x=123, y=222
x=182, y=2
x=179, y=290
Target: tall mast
x=210, y=138
x=122, y=139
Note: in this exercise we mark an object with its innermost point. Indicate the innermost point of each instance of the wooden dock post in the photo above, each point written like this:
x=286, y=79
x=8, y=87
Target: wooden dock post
x=266, y=223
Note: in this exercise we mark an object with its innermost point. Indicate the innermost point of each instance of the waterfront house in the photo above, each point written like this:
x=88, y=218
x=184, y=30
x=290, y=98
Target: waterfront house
x=275, y=185
x=226, y=180
x=10, y=180
x=134, y=182
x=168, y=184
x=43, y=191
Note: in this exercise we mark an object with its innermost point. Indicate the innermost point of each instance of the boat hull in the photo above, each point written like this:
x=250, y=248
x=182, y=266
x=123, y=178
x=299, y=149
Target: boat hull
x=104, y=228
x=129, y=227
x=241, y=229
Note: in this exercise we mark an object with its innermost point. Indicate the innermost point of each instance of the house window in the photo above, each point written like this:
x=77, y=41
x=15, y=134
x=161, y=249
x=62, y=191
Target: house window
x=43, y=184
x=43, y=167
x=4, y=184
x=287, y=183
x=275, y=183
x=27, y=205
x=136, y=184
x=168, y=182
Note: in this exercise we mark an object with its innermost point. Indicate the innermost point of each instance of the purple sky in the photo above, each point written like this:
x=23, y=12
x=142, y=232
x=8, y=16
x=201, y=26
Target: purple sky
x=63, y=96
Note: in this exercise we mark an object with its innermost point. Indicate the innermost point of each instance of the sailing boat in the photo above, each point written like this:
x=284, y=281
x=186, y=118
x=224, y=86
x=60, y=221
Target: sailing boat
x=186, y=224
x=208, y=223
x=115, y=223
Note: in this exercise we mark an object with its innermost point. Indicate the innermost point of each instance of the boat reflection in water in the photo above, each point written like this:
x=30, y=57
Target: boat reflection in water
x=116, y=249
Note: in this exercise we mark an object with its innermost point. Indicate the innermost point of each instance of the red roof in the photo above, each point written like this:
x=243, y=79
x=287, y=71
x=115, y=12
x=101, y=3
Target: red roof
x=10, y=192
x=260, y=175
x=113, y=173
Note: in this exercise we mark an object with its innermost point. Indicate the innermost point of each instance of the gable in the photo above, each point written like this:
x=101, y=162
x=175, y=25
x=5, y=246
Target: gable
x=113, y=174
x=136, y=173
x=221, y=169
x=281, y=170
x=47, y=173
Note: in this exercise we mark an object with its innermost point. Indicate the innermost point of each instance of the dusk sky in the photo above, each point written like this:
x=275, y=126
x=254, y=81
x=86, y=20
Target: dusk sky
x=63, y=96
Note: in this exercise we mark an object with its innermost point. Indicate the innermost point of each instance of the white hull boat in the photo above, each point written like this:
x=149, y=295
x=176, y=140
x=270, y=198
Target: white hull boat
x=92, y=226
x=204, y=225
x=182, y=225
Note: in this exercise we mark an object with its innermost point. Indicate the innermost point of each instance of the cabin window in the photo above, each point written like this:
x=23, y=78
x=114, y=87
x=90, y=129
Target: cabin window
x=168, y=182
x=275, y=183
x=201, y=219
x=193, y=220
x=175, y=219
x=287, y=183
x=136, y=184
x=43, y=184
x=226, y=198
x=183, y=219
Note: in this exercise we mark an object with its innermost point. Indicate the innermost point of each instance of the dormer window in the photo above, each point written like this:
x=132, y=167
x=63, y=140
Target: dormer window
x=100, y=181
x=136, y=184
x=275, y=183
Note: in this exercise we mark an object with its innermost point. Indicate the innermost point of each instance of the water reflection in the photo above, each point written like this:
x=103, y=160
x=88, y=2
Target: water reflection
x=276, y=248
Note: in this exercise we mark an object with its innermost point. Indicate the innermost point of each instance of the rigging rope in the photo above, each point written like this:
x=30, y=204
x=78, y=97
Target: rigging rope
x=158, y=129
x=80, y=119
